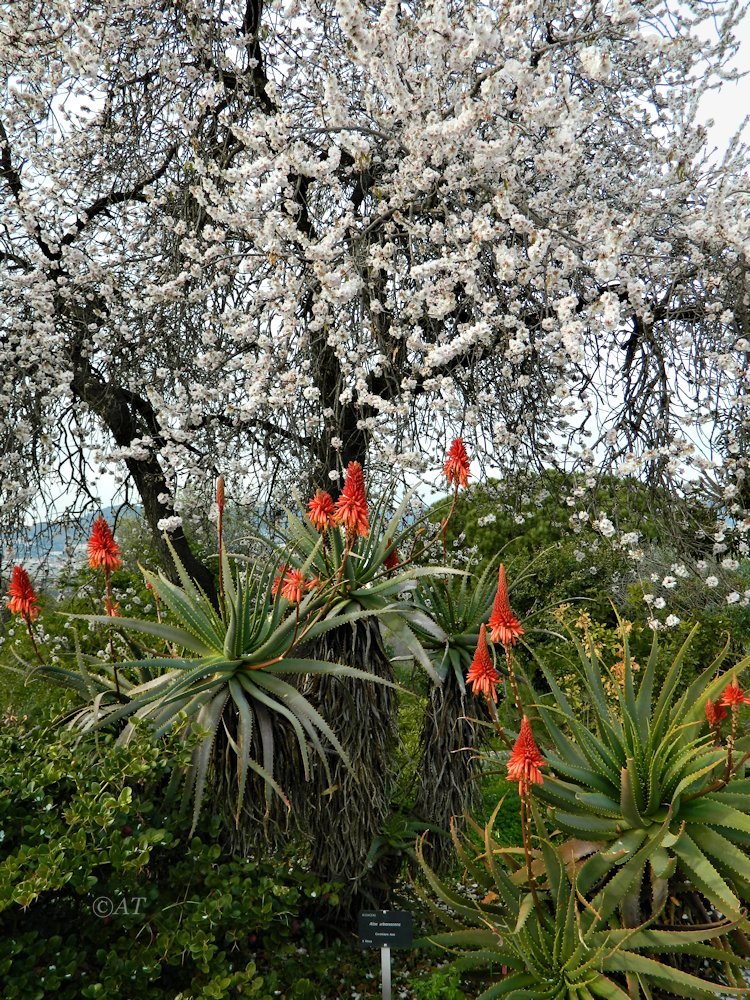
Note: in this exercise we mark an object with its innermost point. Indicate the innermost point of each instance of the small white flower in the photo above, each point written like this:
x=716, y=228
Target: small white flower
x=648, y=598
x=671, y=621
x=712, y=581
x=660, y=603
x=605, y=526
x=669, y=582
x=729, y=564
x=169, y=523
x=733, y=597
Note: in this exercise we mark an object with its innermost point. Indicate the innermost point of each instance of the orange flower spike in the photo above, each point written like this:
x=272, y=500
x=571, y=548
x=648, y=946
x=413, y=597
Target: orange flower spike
x=505, y=627
x=351, y=506
x=104, y=552
x=525, y=759
x=320, y=510
x=714, y=714
x=23, y=599
x=220, y=495
x=278, y=579
x=293, y=585
x=456, y=467
x=482, y=675
x=733, y=694
x=392, y=560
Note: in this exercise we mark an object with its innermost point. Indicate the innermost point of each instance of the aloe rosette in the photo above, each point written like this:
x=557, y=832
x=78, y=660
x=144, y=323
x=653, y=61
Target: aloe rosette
x=649, y=770
x=354, y=574
x=552, y=944
x=458, y=605
x=232, y=675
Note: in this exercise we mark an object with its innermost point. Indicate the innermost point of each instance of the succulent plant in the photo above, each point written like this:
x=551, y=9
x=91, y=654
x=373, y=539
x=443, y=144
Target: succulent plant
x=229, y=673
x=649, y=759
x=552, y=943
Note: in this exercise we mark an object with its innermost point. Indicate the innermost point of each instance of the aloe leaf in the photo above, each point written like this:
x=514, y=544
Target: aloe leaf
x=507, y=987
x=708, y=810
x=567, y=750
x=583, y=776
x=675, y=980
x=244, y=741
x=597, y=755
x=265, y=728
x=304, y=666
x=191, y=615
x=665, y=941
x=721, y=849
x=599, y=804
x=557, y=792
x=208, y=718
x=168, y=633
x=705, y=877
x=300, y=726
x=628, y=803
x=610, y=897
x=662, y=863
x=625, y=846
x=591, y=827
x=301, y=706
x=646, y=688
x=668, y=688
x=477, y=937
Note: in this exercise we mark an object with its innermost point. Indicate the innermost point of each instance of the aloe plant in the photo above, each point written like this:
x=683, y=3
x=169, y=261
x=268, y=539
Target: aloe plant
x=553, y=943
x=228, y=672
x=649, y=759
x=358, y=575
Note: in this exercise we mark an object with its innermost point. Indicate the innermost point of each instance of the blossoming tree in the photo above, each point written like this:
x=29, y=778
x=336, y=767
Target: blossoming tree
x=266, y=238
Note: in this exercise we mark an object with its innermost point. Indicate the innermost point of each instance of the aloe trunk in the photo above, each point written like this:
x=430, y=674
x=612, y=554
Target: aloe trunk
x=264, y=821
x=344, y=815
x=448, y=767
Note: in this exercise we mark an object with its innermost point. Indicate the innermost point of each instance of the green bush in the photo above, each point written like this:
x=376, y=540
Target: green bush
x=101, y=895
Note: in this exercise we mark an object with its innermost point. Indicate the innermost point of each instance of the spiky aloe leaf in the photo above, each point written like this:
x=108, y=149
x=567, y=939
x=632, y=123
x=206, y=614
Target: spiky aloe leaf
x=705, y=876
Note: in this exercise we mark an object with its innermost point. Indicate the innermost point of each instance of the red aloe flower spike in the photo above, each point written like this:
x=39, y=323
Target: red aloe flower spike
x=351, y=506
x=525, y=759
x=714, y=713
x=320, y=510
x=456, y=467
x=294, y=586
x=104, y=553
x=392, y=560
x=505, y=627
x=23, y=599
x=482, y=675
x=733, y=694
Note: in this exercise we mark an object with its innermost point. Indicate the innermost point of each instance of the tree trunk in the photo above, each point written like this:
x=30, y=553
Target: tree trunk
x=128, y=416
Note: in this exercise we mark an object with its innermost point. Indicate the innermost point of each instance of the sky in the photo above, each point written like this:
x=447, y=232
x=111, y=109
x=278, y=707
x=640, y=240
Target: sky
x=729, y=106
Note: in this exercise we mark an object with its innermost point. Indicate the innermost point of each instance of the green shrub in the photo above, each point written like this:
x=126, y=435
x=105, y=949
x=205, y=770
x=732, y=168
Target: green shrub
x=101, y=894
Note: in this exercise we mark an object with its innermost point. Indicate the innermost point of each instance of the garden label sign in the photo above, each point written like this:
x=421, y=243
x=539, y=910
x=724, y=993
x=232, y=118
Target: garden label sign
x=385, y=929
